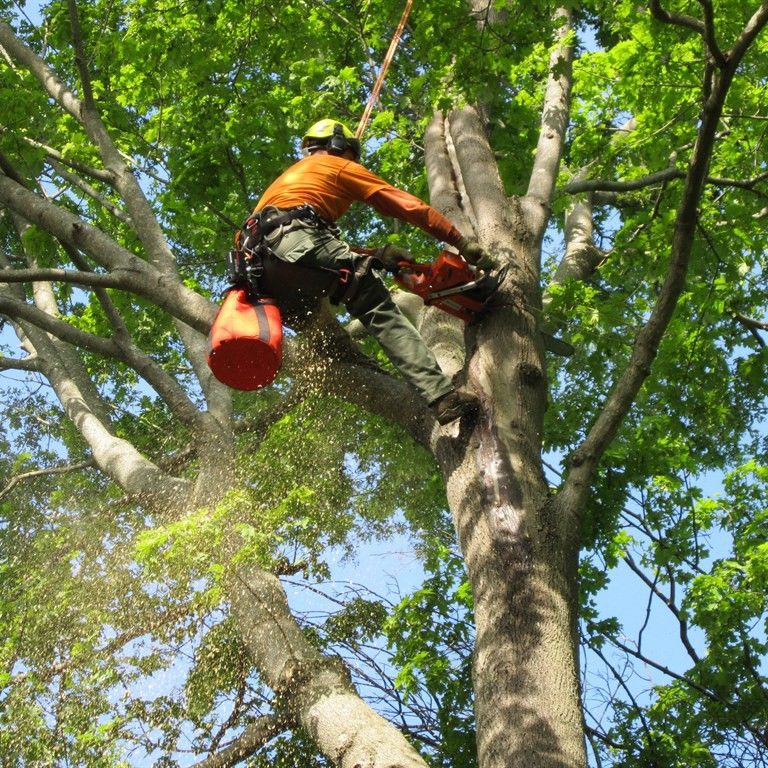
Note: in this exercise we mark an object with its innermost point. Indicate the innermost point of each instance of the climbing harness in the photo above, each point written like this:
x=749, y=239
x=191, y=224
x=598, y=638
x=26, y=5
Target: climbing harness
x=245, y=342
x=260, y=225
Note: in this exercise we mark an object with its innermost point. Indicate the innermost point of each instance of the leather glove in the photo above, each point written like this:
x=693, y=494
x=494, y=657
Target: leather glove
x=390, y=256
x=475, y=254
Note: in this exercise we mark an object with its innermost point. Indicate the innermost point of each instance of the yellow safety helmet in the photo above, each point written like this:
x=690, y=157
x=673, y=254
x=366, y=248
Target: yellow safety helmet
x=331, y=135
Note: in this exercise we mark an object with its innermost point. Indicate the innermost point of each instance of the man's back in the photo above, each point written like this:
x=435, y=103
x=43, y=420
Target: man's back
x=329, y=183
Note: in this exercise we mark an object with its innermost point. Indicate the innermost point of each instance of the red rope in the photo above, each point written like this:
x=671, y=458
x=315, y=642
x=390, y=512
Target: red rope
x=363, y=124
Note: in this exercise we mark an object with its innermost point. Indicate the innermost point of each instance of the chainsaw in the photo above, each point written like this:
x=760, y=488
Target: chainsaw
x=448, y=283
x=462, y=290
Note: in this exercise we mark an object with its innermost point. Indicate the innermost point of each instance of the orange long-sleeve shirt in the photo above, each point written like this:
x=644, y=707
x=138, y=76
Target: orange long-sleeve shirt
x=330, y=184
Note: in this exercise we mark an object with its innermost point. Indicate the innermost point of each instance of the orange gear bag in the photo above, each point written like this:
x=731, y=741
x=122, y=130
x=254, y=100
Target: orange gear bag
x=245, y=345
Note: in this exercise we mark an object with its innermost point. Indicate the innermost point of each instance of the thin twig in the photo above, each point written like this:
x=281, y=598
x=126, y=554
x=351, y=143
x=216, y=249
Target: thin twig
x=93, y=193
x=668, y=600
x=14, y=481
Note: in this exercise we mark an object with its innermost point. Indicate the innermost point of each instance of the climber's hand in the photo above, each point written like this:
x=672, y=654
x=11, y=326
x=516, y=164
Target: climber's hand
x=475, y=254
x=391, y=255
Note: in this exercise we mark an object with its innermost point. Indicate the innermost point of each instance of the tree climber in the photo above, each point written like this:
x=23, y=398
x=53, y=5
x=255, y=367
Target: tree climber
x=305, y=260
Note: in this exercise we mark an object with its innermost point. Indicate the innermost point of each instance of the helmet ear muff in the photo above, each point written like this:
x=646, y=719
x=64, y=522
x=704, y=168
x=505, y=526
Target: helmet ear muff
x=338, y=143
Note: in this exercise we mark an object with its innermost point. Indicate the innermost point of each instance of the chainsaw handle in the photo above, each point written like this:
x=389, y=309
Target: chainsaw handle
x=406, y=266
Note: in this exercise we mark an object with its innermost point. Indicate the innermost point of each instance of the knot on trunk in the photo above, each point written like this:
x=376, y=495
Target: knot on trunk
x=530, y=374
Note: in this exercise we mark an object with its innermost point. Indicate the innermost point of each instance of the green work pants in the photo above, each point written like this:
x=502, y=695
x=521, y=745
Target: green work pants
x=307, y=268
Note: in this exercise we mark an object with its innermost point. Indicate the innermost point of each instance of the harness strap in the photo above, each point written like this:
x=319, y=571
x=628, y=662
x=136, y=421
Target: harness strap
x=268, y=224
x=349, y=280
x=263, y=223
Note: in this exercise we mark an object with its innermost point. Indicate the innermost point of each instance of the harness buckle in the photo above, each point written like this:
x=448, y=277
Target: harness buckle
x=236, y=267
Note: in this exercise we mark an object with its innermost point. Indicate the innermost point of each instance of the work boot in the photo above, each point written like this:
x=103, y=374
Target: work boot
x=454, y=405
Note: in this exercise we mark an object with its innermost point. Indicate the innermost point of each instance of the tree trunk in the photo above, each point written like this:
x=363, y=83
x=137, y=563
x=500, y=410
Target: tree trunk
x=521, y=562
x=521, y=559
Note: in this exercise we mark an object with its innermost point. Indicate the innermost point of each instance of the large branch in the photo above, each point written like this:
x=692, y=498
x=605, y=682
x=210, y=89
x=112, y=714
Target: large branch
x=167, y=291
x=478, y=172
x=750, y=322
x=652, y=179
x=210, y=429
x=47, y=347
x=123, y=279
x=706, y=28
x=87, y=115
x=57, y=90
x=608, y=185
x=29, y=364
x=120, y=349
x=21, y=311
x=255, y=735
x=584, y=460
x=137, y=206
x=314, y=689
x=582, y=257
x=116, y=457
x=59, y=362
x=747, y=35
x=554, y=124
x=445, y=190
x=709, y=35
x=204, y=426
x=676, y=19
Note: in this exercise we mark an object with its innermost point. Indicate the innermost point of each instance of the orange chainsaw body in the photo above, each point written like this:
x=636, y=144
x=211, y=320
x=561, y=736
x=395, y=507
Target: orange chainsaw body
x=448, y=283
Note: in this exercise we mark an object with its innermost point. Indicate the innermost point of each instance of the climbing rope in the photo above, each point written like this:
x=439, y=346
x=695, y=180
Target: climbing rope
x=363, y=124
